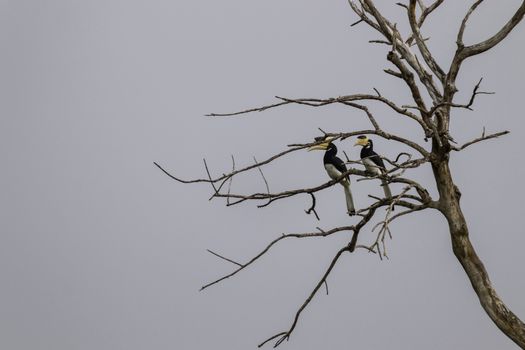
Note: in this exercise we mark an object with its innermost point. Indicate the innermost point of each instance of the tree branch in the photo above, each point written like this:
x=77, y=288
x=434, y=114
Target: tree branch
x=459, y=40
x=495, y=308
x=483, y=137
x=317, y=102
x=321, y=233
x=425, y=12
x=463, y=52
x=391, y=33
x=286, y=335
x=427, y=56
x=488, y=44
x=227, y=176
x=468, y=105
x=312, y=208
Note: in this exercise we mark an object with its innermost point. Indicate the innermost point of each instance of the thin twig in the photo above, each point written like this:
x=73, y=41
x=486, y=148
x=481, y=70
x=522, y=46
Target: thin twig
x=483, y=137
x=312, y=208
x=263, y=177
x=286, y=335
x=222, y=257
x=272, y=243
x=230, y=181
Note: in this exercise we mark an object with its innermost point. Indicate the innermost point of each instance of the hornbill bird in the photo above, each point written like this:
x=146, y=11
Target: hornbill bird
x=335, y=167
x=373, y=162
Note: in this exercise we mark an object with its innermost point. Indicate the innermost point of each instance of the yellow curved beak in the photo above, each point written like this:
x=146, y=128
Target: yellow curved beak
x=361, y=142
x=320, y=147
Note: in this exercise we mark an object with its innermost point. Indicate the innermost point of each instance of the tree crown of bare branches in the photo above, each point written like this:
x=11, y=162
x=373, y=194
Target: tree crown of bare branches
x=425, y=78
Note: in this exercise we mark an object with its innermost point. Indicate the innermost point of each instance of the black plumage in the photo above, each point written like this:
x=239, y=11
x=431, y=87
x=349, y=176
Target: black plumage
x=330, y=157
x=335, y=167
x=373, y=162
x=369, y=153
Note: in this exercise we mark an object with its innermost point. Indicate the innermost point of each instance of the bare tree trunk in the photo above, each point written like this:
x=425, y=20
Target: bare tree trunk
x=449, y=205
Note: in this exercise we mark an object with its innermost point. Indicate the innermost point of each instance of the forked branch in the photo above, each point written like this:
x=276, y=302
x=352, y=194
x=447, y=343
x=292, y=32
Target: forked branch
x=282, y=336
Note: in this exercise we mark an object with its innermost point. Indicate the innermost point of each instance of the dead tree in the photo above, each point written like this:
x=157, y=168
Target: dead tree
x=426, y=80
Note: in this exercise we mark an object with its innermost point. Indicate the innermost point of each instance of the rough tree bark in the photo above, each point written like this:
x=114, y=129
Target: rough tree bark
x=425, y=79
x=449, y=205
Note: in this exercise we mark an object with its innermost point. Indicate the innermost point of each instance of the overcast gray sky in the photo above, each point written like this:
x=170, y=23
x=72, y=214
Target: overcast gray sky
x=99, y=250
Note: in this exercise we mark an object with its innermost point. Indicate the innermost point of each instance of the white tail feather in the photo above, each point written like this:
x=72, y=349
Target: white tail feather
x=386, y=188
x=349, y=199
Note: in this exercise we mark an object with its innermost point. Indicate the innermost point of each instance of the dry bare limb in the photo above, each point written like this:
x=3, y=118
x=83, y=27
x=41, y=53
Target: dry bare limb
x=233, y=173
x=312, y=208
x=360, y=11
x=425, y=12
x=459, y=40
x=463, y=52
x=272, y=197
x=483, y=137
x=282, y=336
x=320, y=233
x=285, y=335
x=468, y=105
x=379, y=244
x=489, y=43
x=316, y=102
x=390, y=32
x=425, y=52
x=370, y=210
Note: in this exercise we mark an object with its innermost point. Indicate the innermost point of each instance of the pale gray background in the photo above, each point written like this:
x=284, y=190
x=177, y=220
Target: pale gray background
x=99, y=250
